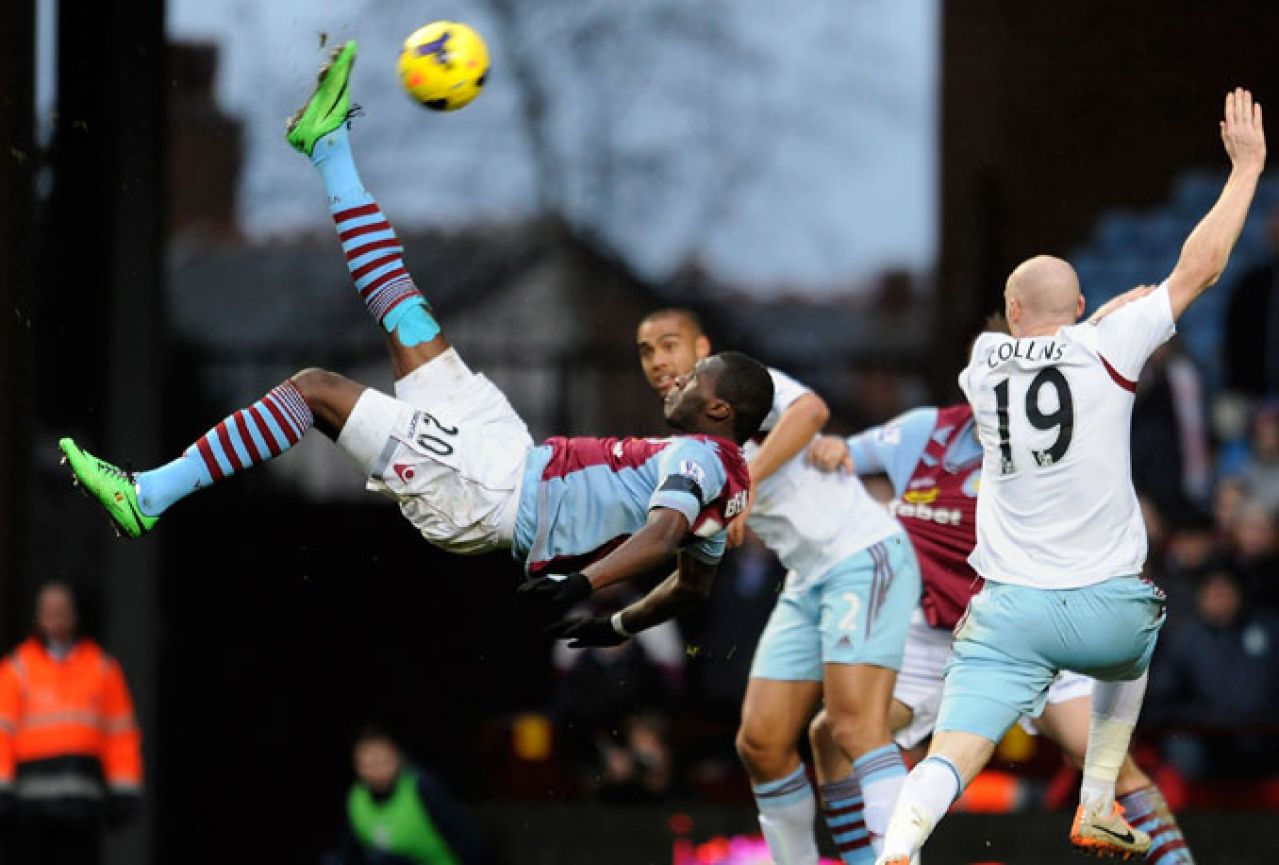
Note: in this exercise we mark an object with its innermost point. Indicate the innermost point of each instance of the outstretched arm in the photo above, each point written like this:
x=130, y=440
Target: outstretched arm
x=680, y=592
x=1207, y=249
x=654, y=544
x=643, y=551
x=802, y=420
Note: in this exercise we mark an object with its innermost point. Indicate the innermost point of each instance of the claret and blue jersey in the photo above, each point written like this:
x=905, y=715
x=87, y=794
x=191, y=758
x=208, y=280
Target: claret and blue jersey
x=582, y=497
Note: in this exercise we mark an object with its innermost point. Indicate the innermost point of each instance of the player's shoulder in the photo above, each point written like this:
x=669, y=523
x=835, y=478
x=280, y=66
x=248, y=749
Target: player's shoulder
x=784, y=379
x=786, y=389
x=721, y=451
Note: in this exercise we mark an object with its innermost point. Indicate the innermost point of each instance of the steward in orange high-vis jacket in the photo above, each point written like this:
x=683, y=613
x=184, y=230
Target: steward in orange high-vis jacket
x=70, y=751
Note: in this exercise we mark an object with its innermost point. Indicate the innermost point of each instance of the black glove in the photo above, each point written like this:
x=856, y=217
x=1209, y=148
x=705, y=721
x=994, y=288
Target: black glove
x=8, y=806
x=552, y=596
x=594, y=632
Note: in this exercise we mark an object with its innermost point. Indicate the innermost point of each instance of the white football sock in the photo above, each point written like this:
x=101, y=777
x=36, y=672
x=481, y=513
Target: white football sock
x=787, y=809
x=1115, y=707
x=925, y=797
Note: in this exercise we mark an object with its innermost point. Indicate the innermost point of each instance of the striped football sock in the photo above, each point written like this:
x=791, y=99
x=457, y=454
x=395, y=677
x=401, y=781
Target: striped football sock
x=880, y=774
x=786, y=813
x=250, y=436
x=842, y=807
x=373, y=253
x=1145, y=809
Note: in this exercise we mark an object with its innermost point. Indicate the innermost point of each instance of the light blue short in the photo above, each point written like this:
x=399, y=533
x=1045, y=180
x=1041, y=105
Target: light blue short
x=1014, y=639
x=855, y=613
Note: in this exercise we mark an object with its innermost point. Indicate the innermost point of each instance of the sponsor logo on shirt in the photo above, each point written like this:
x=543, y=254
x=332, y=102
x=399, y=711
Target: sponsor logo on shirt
x=692, y=471
x=891, y=433
x=924, y=511
x=736, y=504
x=921, y=497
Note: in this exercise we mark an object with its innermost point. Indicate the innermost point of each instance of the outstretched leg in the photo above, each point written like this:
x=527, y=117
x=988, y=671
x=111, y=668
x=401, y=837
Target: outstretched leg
x=374, y=256
x=245, y=438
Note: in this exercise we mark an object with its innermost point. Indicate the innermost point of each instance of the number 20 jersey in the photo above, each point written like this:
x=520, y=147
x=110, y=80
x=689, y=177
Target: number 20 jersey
x=1056, y=507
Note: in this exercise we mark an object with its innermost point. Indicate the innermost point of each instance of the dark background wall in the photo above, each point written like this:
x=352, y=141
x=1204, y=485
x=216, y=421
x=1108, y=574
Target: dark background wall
x=1052, y=112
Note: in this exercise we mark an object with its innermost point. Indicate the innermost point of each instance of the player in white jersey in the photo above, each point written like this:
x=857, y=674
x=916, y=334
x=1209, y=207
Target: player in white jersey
x=839, y=625
x=1060, y=538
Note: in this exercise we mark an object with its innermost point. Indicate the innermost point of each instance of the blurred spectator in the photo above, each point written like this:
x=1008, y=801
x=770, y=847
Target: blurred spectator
x=1256, y=553
x=1189, y=551
x=397, y=814
x=1228, y=502
x=637, y=765
x=1252, y=324
x=601, y=688
x=1261, y=471
x=70, y=752
x=1170, y=455
x=1218, y=675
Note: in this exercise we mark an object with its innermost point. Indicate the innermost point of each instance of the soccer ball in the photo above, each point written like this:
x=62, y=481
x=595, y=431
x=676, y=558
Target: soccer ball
x=444, y=65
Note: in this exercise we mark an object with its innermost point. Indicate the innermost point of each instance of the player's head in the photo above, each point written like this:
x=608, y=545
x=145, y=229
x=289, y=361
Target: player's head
x=1042, y=292
x=727, y=394
x=377, y=759
x=671, y=342
x=56, y=618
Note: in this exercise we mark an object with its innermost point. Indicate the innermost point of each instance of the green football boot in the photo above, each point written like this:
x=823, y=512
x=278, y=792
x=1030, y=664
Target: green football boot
x=111, y=486
x=329, y=105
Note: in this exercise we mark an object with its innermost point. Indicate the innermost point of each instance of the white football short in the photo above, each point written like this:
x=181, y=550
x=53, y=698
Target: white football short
x=449, y=449
x=920, y=681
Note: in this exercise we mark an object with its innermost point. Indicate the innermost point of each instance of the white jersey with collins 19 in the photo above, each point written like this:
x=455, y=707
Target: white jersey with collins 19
x=811, y=519
x=1057, y=508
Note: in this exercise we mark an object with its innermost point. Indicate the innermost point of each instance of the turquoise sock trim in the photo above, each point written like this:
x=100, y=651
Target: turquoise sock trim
x=411, y=323
x=783, y=792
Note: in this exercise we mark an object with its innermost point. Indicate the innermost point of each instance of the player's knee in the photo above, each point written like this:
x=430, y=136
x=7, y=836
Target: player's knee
x=314, y=383
x=321, y=388
x=819, y=730
x=762, y=755
x=855, y=734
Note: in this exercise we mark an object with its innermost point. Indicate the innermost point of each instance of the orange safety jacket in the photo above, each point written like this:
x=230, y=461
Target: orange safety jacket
x=67, y=732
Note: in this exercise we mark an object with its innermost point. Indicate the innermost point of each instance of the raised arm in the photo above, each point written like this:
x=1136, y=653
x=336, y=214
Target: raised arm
x=677, y=594
x=1207, y=249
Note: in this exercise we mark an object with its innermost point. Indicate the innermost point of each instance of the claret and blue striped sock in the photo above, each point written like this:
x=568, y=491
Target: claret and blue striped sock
x=250, y=436
x=842, y=808
x=1146, y=809
x=374, y=255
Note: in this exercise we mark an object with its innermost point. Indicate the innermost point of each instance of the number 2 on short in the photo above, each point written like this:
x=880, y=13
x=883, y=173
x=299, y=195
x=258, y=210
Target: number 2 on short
x=849, y=622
